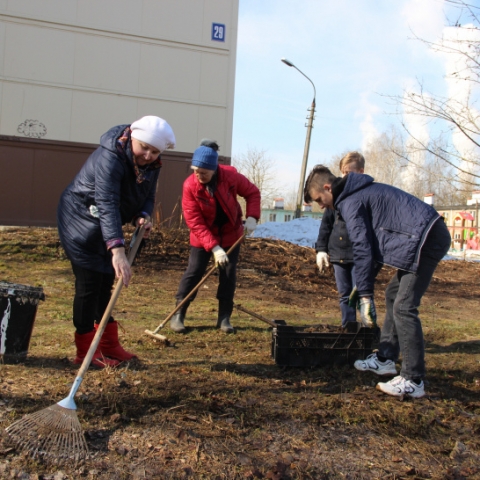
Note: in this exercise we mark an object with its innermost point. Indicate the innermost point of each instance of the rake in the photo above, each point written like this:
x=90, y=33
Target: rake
x=163, y=338
x=55, y=432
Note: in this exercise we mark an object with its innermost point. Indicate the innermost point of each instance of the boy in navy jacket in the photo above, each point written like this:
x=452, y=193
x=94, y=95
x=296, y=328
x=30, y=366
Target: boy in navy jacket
x=387, y=226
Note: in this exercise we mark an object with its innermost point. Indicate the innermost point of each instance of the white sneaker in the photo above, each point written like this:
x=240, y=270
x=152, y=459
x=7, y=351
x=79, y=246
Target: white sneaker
x=399, y=386
x=373, y=364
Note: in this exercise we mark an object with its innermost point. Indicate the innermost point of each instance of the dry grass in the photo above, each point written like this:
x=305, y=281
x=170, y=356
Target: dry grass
x=217, y=406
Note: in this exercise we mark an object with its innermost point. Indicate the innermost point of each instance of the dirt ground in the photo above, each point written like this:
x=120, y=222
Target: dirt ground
x=216, y=406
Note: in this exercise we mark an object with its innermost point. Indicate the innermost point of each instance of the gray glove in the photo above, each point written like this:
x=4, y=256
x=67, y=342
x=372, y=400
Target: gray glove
x=250, y=225
x=368, y=313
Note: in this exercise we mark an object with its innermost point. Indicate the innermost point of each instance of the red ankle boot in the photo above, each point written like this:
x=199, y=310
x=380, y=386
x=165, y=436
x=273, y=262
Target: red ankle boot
x=110, y=346
x=83, y=344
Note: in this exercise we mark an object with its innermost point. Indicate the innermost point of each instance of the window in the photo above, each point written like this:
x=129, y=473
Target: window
x=288, y=218
x=272, y=217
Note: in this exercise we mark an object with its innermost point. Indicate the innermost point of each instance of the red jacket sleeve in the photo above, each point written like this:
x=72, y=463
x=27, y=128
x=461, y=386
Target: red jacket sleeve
x=250, y=192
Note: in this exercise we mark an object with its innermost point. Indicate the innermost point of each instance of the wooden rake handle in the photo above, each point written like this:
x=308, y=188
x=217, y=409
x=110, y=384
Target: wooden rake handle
x=134, y=244
x=202, y=281
x=253, y=314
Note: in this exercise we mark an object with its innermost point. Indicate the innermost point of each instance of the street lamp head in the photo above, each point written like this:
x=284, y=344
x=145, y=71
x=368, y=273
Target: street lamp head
x=307, y=141
x=287, y=62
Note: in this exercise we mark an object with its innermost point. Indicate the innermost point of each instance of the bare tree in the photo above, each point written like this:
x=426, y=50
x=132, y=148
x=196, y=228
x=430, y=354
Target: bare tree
x=260, y=170
x=455, y=115
x=383, y=161
x=389, y=160
x=290, y=198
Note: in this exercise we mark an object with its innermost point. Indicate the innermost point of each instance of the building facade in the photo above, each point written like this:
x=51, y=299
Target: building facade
x=462, y=222
x=71, y=69
x=278, y=214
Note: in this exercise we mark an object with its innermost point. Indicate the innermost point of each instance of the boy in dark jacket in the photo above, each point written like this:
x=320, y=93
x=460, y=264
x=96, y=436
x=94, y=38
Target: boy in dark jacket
x=387, y=226
x=333, y=244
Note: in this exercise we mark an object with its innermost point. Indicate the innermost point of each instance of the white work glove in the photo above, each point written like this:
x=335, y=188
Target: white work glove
x=368, y=313
x=221, y=258
x=250, y=225
x=322, y=261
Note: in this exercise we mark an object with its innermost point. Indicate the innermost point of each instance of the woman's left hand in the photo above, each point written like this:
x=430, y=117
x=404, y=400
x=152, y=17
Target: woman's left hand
x=121, y=265
x=148, y=225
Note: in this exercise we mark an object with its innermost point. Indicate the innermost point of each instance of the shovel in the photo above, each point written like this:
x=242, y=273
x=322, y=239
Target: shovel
x=162, y=338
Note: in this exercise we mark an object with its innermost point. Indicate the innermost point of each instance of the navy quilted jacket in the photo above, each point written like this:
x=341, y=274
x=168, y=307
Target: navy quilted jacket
x=385, y=224
x=106, y=181
x=333, y=238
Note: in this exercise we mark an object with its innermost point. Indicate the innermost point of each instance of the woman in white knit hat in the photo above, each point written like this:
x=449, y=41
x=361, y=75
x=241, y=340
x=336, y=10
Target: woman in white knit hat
x=115, y=186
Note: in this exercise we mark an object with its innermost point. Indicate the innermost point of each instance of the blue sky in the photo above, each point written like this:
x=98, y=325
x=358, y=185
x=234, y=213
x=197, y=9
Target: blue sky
x=354, y=51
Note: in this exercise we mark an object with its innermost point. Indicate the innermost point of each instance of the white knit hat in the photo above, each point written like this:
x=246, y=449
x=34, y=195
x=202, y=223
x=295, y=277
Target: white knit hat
x=155, y=131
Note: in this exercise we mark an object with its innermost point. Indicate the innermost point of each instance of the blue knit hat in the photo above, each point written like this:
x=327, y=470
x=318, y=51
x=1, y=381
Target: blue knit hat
x=206, y=156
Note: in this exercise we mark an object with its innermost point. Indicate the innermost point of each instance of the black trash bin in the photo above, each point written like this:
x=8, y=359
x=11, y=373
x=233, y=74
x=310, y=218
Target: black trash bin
x=18, y=308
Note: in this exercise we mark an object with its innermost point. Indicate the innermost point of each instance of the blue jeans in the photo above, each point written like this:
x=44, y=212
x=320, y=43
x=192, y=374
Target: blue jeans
x=345, y=278
x=402, y=330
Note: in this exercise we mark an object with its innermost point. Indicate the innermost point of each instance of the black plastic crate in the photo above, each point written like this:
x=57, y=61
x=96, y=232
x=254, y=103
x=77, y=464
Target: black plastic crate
x=304, y=347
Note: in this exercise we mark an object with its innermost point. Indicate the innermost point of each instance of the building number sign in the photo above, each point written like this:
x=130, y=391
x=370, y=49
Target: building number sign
x=218, y=32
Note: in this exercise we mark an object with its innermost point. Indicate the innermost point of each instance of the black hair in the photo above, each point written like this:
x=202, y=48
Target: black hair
x=317, y=178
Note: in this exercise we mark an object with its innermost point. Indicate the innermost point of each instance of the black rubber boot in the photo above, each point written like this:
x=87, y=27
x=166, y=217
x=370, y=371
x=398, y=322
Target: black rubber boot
x=176, y=323
x=225, y=309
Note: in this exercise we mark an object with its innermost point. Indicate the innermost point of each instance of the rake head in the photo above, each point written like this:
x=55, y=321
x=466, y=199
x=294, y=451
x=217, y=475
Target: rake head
x=157, y=336
x=53, y=433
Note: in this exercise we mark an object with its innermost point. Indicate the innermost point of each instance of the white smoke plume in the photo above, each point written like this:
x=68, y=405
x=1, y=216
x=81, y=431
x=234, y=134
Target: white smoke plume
x=462, y=88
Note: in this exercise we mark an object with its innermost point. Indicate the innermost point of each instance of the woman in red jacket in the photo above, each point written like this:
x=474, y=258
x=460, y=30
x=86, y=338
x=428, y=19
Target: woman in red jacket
x=214, y=217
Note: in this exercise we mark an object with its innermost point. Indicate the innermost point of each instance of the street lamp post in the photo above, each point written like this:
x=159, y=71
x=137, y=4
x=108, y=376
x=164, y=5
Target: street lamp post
x=306, y=150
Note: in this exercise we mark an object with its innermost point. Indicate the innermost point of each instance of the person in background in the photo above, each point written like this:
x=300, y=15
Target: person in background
x=115, y=186
x=333, y=244
x=214, y=217
x=391, y=227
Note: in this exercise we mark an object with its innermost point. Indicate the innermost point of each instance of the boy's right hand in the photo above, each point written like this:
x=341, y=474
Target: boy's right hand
x=368, y=313
x=322, y=261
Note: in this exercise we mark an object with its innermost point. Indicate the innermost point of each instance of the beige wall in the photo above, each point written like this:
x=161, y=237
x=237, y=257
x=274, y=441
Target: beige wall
x=77, y=67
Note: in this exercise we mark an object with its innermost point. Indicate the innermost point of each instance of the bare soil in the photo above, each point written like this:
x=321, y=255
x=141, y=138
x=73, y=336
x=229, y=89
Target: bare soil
x=216, y=406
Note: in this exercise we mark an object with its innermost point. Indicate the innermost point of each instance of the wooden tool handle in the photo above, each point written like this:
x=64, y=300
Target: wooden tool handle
x=202, y=281
x=137, y=239
x=253, y=314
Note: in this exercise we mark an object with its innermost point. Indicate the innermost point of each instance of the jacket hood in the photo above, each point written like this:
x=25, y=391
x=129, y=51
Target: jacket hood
x=355, y=182
x=109, y=138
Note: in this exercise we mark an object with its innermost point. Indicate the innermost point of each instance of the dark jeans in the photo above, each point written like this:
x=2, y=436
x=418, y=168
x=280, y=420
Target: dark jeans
x=345, y=278
x=402, y=330
x=197, y=265
x=92, y=294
